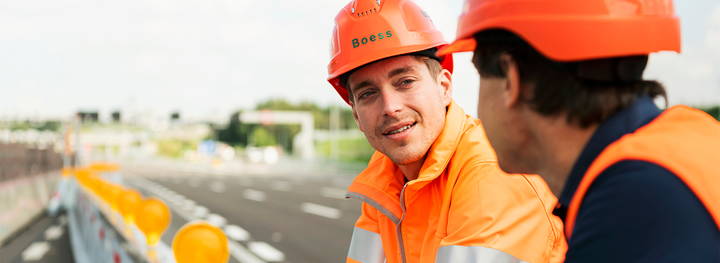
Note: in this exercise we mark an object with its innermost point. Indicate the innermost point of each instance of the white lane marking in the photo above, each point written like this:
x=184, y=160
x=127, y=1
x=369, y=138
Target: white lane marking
x=266, y=251
x=239, y=252
x=237, y=233
x=216, y=220
x=333, y=193
x=35, y=251
x=281, y=186
x=320, y=210
x=177, y=199
x=217, y=187
x=200, y=211
x=242, y=254
x=53, y=232
x=254, y=195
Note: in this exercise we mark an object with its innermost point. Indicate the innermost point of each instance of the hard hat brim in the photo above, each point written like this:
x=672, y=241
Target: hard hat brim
x=457, y=46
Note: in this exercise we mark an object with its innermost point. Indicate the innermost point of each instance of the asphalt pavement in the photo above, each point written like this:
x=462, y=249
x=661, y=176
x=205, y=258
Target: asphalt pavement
x=290, y=212
x=275, y=216
x=45, y=239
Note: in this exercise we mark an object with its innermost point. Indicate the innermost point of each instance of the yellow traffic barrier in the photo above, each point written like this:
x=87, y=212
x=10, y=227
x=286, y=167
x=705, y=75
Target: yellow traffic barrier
x=129, y=200
x=84, y=176
x=154, y=220
x=104, y=167
x=113, y=196
x=67, y=171
x=200, y=242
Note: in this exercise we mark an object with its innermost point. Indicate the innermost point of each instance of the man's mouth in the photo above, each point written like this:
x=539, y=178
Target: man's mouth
x=396, y=129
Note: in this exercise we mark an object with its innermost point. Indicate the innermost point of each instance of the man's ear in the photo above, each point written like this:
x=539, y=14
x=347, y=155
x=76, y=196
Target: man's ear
x=445, y=81
x=512, y=87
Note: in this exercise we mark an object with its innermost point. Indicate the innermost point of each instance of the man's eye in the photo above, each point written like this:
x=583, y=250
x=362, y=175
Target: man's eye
x=366, y=94
x=406, y=82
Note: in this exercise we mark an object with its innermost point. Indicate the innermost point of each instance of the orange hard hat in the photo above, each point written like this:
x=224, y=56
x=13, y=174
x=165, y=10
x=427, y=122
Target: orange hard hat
x=571, y=30
x=370, y=30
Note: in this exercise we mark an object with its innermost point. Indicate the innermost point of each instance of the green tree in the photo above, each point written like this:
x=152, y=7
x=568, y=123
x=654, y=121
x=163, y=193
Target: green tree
x=261, y=137
x=240, y=134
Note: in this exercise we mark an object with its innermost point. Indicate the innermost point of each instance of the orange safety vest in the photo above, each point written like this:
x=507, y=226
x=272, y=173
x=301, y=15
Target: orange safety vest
x=683, y=140
x=461, y=208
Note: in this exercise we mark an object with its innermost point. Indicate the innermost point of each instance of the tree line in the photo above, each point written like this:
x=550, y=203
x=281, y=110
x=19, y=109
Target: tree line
x=237, y=133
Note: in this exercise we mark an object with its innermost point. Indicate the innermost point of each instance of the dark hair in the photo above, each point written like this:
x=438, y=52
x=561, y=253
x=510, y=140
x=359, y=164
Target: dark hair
x=588, y=91
x=426, y=56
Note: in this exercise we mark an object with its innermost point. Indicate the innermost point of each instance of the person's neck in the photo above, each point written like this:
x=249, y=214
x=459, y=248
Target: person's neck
x=559, y=145
x=412, y=170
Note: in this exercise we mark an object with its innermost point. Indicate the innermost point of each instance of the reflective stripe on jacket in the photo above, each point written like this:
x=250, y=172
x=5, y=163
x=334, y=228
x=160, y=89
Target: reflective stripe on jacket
x=683, y=140
x=461, y=208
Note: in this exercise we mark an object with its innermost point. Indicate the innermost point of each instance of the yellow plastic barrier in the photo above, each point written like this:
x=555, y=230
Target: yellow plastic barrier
x=129, y=200
x=67, y=171
x=125, y=208
x=200, y=242
x=113, y=196
x=154, y=220
x=104, y=167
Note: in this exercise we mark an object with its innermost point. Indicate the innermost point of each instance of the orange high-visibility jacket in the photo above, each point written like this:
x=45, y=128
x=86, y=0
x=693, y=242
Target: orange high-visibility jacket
x=683, y=140
x=461, y=208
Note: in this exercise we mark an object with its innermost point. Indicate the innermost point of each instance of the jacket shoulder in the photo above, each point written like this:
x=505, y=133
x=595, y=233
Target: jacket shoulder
x=474, y=146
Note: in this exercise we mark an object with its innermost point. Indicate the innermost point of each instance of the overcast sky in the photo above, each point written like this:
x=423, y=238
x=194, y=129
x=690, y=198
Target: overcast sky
x=209, y=57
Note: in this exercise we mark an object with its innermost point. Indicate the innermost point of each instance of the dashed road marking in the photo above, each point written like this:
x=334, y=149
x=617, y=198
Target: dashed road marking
x=242, y=254
x=53, y=232
x=35, y=251
x=200, y=211
x=218, y=187
x=281, y=186
x=216, y=220
x=333, y=193
x=266, y=251
x=320, y=210
x=238, y=251
x=254, y=195
x=236, y=233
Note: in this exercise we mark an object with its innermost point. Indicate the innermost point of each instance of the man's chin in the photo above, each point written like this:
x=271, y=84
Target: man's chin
x=405, y=158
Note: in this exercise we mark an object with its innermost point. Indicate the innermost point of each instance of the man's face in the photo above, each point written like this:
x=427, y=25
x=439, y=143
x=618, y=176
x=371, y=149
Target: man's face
x=400, y=106
x=503, y=122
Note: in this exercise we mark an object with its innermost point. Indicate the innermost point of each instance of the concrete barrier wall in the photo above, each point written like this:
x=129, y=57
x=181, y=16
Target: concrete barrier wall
x=28, y=177
x=22, y=199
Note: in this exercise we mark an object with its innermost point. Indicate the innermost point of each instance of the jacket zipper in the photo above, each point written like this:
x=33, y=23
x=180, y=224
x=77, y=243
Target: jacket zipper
x=399, y=225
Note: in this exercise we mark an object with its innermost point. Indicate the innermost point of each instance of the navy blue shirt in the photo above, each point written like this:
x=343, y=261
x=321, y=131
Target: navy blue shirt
x=636, y=211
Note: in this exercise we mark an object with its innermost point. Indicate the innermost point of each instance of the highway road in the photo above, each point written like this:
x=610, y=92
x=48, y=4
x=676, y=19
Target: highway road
x=291, y=212
x=277, y=215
